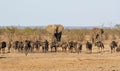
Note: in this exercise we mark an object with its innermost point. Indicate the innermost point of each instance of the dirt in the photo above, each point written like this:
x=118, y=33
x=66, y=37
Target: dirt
x=61, y=61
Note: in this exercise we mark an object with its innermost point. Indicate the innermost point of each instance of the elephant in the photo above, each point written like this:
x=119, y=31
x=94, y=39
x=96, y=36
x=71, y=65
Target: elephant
x=96, y=34
x=100, y=45
x=78, y=47
x=89, y=46
x=20, y=46
x=75, y=46
x=15, y=45
x=3, y=45
x=64, y=46
x=53, y=45
x=56, y=31
x=9, y=46
x=113, y=45
x=45, y=46
x=27, y=46
x=72, y=46
x=118, y=47
x=36, y=45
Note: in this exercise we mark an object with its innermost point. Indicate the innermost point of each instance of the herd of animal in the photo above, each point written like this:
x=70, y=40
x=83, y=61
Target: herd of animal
x=28, y=46
x=72, y=46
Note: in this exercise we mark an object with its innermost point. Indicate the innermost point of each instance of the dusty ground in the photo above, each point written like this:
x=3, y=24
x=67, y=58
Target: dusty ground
x=61, y=61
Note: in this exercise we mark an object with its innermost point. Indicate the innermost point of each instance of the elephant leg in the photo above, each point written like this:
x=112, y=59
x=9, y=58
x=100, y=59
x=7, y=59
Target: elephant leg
x=31, y=49
x=21, y=49
x=51, y=49
x=98, y=49
x=38, y=49
x=9, y=49
x=80, y=49
x=55, y=49
x=18, y=49
x=0, y=50
x=42, y=49
x=63, y=49
x=111, y=49
x=46, y=49
x=26, y=51
x=3, y=50
x=70, y=49
x=114, y=49
x=76, y=50
x=101, y=49
x=90, y=51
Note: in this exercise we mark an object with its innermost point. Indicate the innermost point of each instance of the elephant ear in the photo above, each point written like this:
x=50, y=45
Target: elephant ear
x=60, y=28
x=101, y=31
x=51, y=29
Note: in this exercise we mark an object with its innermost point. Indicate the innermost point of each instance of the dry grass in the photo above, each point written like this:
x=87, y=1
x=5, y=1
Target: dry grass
x=68, y=34
x=59, y=61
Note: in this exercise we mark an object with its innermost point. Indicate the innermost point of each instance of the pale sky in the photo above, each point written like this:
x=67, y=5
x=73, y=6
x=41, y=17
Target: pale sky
x=66, y=12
